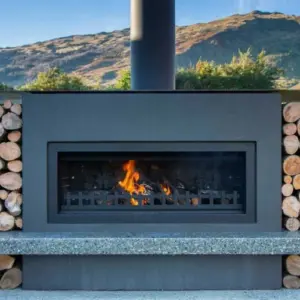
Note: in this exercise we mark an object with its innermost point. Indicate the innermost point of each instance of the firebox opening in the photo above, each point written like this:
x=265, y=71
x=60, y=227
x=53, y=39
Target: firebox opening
x=193, y=184
x=161, y=180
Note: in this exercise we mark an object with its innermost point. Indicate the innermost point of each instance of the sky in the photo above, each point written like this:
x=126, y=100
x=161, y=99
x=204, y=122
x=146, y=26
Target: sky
x=28, y=21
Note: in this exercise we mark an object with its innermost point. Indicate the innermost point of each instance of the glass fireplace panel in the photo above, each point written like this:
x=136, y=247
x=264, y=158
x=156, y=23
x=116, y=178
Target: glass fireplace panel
x=165, y=181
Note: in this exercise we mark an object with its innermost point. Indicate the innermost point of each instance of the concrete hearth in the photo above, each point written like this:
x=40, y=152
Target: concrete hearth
x=201, y=295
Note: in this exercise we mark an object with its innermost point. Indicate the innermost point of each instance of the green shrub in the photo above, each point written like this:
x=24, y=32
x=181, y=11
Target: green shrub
x=56, y=80
x=243, y=72
x=123, y=83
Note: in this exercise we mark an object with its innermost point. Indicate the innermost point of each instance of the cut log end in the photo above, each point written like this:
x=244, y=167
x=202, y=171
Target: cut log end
x=19, y=222
x=289, y=129
x=291, y=112
x=11, y=181
x=13, y=203
x=296, y=182
x=287, y=189
x=3, y=194
x=6, y=262
x=15, y=166
x=10, y=151
x=16, y=108
x=7, y=221
x=14, y=136
x=291, y=207
x=293, y=265
x=291, y=144
x=11, y=279
x=291, y=282
x=7, y=104
x=287, y=179
x=291, y=165
x=11, y=121
x=292, y=224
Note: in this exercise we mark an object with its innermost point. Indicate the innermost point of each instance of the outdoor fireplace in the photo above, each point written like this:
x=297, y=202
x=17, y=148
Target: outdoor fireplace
x=116, y=182
x=171, y=161
x=151, y=165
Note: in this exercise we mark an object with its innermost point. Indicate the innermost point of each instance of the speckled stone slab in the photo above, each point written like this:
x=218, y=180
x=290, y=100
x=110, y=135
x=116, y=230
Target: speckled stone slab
x=280, y=243
x=201, y=295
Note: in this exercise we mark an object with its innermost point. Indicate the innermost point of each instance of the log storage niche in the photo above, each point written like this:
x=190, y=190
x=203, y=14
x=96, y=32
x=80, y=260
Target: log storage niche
x=291, y=187
x=10, y=187
x=291, y=166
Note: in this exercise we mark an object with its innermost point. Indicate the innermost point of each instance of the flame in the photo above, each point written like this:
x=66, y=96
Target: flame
x=130, y=182
x=166, y=189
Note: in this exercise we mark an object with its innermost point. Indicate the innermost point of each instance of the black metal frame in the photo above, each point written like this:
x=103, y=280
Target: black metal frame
x=184, y=215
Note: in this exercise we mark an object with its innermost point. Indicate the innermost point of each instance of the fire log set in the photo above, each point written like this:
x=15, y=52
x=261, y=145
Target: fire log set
x=144, y=184
x=10, y=187
x=131, y=185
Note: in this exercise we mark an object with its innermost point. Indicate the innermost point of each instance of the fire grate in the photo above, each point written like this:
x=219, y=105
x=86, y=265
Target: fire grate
x=203, y=200
x=186, y=181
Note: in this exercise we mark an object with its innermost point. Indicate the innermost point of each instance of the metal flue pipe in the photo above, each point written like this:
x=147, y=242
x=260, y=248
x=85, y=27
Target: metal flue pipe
x=152, y=38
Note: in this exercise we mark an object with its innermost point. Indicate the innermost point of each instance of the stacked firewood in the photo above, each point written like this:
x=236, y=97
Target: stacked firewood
x=10, y=272
x=291, y=166
x=10, y=186
x=291, y=279
x=291, y=186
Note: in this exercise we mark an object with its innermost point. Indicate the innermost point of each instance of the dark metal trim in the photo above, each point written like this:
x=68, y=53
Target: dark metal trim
x=163, y=216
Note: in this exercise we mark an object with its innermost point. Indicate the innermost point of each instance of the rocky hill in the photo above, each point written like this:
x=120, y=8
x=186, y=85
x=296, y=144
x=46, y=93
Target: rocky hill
x=99, y=57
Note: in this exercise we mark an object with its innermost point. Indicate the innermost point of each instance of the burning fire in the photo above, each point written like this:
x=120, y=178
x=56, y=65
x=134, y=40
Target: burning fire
x=166, y=189
x=131, y=185
x=130, y=182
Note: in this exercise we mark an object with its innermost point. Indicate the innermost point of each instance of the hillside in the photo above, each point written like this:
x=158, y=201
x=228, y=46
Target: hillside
x=99, y=57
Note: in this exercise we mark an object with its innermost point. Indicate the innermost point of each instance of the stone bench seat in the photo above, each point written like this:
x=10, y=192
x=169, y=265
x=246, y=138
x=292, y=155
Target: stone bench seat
x=22, y=243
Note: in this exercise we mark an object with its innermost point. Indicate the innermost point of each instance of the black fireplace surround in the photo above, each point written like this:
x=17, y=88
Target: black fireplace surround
x=217, y=153
x=151, y=162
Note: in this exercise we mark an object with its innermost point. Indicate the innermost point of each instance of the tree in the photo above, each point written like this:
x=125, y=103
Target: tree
x=5, y=88
x=56, y=80
x=243, y=72
x=124, y=82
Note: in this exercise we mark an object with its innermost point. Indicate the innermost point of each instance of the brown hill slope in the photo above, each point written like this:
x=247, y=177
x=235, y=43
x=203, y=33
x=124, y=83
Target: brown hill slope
x=99, y=57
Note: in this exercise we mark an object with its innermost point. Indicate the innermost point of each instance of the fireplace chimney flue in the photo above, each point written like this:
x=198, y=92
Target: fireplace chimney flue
x=152, y=36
